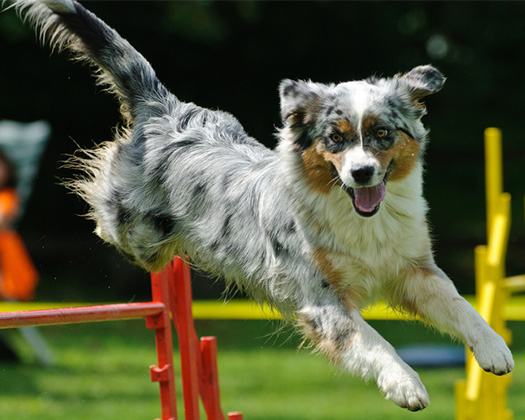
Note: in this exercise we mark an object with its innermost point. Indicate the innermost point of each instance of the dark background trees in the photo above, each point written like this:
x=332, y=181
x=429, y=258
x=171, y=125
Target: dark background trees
x=231, y=56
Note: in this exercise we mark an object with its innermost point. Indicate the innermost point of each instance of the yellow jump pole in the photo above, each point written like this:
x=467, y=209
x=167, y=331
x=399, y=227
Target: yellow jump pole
x=483, y=396
x=493, y=174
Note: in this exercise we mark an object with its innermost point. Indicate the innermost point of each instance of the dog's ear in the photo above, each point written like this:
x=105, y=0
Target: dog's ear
x=297, y=97
x=422, y=81
x=300, y=102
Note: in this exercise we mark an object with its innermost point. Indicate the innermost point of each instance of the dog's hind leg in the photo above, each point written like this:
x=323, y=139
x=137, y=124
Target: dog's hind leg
x=428, y=292
x=349, y=341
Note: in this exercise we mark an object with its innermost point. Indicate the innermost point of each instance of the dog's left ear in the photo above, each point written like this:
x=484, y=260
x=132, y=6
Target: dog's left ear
x=422, y=81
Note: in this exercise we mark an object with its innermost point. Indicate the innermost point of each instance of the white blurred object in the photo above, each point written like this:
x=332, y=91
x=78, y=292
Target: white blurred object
x=24, y=144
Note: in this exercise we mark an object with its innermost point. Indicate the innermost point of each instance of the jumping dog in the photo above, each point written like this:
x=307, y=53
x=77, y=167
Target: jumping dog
x=329, y=222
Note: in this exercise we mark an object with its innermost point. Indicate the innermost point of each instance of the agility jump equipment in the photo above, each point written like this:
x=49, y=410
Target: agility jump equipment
x=483, y=396
x=171, y=301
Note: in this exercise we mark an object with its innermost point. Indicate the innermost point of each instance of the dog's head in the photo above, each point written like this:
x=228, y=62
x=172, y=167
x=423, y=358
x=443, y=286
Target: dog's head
x=358, y=135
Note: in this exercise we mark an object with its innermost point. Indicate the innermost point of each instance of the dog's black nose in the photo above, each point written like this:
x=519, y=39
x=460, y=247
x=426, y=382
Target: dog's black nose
x=363, y=175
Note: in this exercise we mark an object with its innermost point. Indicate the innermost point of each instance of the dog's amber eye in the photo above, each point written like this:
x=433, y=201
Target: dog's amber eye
x=381, y=133
x=336, y=137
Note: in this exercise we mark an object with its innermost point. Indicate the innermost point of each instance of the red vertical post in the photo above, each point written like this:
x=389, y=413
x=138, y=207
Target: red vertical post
x=181, y=299
x=198, y=362
x=161, y=323
x=210, y=379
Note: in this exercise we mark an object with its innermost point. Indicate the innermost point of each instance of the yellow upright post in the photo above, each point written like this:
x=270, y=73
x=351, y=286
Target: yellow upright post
x=493, y=173
x=483, y=396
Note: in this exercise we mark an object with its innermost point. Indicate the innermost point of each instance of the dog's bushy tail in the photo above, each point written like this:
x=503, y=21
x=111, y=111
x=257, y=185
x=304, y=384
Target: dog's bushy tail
x=67, y=25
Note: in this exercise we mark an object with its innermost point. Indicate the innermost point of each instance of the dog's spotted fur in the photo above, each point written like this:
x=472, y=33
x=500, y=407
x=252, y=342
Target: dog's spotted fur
x=329, y=222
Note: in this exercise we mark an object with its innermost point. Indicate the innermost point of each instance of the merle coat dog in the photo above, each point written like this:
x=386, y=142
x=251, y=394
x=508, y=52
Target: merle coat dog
x=329, y=222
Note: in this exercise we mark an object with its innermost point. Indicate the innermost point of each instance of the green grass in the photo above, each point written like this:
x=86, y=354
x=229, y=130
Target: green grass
x=102, y=372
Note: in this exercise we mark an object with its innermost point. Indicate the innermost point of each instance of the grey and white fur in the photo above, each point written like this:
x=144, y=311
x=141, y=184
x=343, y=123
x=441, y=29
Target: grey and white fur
x=326, y=224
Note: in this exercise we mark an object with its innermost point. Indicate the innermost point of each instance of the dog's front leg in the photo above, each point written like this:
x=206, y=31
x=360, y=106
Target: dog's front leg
x=428, y=292
x=349, y=341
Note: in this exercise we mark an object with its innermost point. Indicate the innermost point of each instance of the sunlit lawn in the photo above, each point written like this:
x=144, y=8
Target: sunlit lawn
x=102, y=372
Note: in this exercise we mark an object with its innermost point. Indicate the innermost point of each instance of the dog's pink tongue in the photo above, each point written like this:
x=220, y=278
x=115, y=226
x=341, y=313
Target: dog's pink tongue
x=367, y=198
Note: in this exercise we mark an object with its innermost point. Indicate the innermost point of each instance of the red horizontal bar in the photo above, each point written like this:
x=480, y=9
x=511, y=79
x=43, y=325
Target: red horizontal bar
x=80, y=314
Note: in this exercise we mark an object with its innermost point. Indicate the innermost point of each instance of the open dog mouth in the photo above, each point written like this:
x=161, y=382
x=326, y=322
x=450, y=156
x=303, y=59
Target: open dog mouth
x=367, y=200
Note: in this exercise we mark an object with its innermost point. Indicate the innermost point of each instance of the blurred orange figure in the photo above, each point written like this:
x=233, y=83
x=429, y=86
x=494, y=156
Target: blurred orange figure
x=18, y=276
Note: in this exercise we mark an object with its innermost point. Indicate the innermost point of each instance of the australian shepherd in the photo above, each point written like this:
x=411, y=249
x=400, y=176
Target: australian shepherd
x=329, y=222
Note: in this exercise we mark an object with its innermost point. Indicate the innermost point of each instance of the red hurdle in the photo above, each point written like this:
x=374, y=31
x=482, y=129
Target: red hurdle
x=171, y=291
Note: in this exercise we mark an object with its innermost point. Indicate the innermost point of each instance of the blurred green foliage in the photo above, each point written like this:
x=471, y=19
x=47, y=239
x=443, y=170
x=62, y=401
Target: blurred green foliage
x=232, y=55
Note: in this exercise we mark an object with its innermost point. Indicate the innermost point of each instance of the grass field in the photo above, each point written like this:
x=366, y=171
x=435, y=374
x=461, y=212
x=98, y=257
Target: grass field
x=102, y=372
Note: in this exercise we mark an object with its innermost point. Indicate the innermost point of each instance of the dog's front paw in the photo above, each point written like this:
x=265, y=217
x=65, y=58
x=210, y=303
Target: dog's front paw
x=404, y=387
x=493, y=355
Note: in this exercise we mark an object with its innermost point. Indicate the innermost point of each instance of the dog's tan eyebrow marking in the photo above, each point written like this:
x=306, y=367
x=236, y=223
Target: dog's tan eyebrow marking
x=345, y=128
x=369, y=122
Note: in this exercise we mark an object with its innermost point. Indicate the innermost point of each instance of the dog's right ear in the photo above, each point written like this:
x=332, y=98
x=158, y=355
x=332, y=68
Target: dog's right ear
x=300, y=103
x=297, y=97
